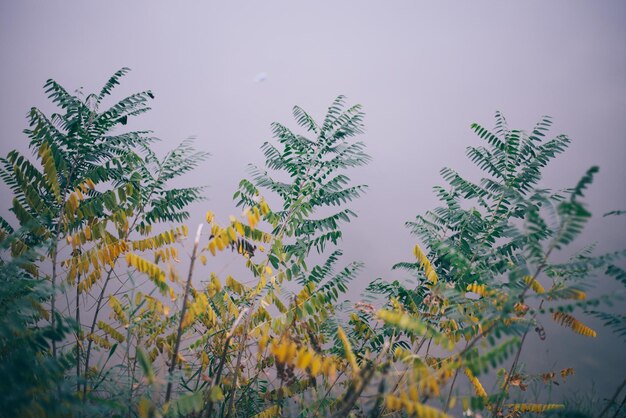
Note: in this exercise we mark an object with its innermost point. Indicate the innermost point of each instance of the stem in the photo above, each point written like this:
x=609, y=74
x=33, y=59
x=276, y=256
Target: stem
x=543, y=264
x=129, y=369
x=365, y=376
x=218, y=374
x=238, y=364
x=355, y=390
x=132, y=380
x=456, y=374
x=316, y=413
x=54, y=280
x=179, y=333
x=519, y=350
x=93, y=327
x=379, y=408
x=612, y=401
x=55, y=253
x=78, y=336
x=620, y=407
x=106, y=282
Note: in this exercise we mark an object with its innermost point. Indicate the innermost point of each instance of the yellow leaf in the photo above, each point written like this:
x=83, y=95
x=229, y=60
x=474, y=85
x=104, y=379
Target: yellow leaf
x=347, y=348
x=423, y=260
x=571, y=322
x=478, y=388
x=316, y=365
x=239, y=228
x=304, y=358
x=533, y=407
x=534, y=285
x=265, y=209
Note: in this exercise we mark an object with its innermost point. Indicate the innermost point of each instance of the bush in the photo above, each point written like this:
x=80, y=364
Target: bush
x=278, y=341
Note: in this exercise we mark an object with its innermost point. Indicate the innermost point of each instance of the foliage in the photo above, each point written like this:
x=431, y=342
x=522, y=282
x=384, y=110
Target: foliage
x=92, y=194
x=279, y=340
x=32, y=383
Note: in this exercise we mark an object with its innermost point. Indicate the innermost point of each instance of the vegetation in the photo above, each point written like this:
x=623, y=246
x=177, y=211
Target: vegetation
x=103, y=316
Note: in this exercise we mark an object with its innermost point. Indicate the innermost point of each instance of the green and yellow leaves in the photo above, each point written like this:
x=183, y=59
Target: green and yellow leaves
x=429, y=271
x=347, y=349
x=50, y=170
x=304, y=358
x=534, y=285
x=165, y=238
x=404, y=321
x=573, y=323
x=271, y=412
x=118, y=310
x=146, y=366
x=533, y=407
x=498, y=249
x=153, y=271
x=415, y=326
x=413, y=406
x=111, y=332
x=200, y=307
x=478, y=387
x=314, y=180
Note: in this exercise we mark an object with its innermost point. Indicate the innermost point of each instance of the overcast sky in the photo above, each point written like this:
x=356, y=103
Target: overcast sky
x=424, y=71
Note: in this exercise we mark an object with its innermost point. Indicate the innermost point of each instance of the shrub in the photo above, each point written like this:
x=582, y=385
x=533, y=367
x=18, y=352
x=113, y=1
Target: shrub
x=279, y=340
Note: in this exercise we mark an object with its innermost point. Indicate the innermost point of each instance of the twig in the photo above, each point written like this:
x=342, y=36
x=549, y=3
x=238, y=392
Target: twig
x=78, y=332
x=355, y=391
x=179, y=333
x=218, y=373
x=93, y=327
x=237, y=365
x=456, y=374
x=612, y=401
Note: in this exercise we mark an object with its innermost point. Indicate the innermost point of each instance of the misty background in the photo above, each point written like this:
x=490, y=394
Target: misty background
x=424, y=71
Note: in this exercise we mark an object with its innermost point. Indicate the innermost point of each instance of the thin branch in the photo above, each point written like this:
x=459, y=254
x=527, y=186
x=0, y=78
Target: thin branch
x=179, y=333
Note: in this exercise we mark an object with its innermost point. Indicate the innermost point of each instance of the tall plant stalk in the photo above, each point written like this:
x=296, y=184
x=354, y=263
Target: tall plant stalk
x=183, y=311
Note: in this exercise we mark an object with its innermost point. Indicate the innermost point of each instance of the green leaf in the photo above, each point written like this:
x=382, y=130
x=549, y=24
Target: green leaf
x=216, y=394
x=146, y=366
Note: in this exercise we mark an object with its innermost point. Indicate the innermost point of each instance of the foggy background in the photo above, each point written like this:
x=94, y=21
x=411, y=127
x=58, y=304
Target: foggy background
x=424, y=71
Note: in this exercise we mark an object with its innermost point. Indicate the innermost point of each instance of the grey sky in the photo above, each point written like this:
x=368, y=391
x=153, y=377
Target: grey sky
x=423, y=71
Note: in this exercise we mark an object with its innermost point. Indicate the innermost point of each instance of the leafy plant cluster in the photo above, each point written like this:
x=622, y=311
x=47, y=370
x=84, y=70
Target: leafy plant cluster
x=102, y=314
